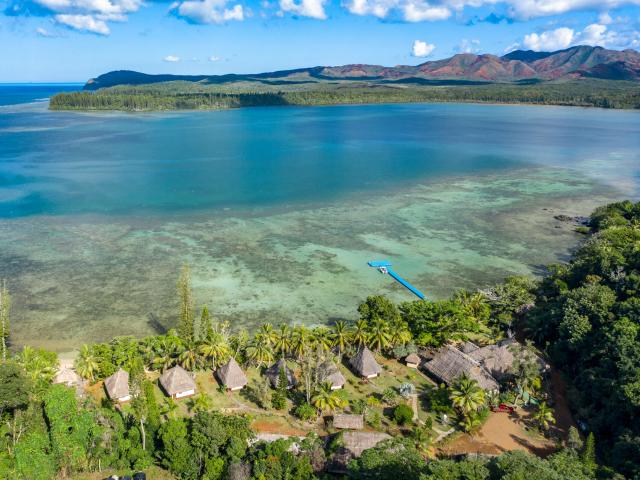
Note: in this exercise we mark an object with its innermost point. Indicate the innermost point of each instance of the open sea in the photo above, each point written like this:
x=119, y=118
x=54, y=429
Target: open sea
x=278, y=209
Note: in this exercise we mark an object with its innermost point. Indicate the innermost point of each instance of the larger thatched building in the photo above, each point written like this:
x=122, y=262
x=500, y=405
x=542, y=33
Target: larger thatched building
x=449, y=364
x=178, y=383
x=117, y=386
x=352, y=444
x=499, y=358
x=348, y=421
x=273, y=374
x=231, y=375
x=364, y=364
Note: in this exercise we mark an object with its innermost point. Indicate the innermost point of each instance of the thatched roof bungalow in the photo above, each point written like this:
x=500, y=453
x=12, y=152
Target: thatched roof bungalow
x=352, y=444
x=412, y=360
x=273, y=374
x=117, y=386
x=328, y=372
x=68, y=377
x=178, y=383
x=364, y=364
x=449, y=364
x=498, y=359
x=348, y=421
x=231, y=375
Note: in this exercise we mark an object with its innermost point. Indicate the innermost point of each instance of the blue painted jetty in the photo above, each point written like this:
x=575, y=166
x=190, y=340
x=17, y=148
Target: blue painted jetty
x=384, y=266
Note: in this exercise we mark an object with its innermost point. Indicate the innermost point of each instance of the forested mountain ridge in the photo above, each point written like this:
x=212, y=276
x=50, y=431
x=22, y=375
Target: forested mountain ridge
x=517, y=66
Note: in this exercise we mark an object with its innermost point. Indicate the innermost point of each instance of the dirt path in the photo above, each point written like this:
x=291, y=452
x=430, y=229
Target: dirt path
x=501, y=433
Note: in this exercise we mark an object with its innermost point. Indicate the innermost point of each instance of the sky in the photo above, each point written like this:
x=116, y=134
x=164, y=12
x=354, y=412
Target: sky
x=74, y=40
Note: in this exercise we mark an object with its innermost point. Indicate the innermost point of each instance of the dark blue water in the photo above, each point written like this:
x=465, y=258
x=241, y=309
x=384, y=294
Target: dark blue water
x=12, y=94
x=65, y=163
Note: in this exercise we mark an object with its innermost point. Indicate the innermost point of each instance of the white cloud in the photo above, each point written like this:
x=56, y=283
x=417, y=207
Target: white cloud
x=539, y=8
x=43, y=32
x=213, y=58
x=595, y=34
x=86, y=23
x=208, y=11
x=468, y=46
x=551, y=40
x=422, y=49
x=407, y=10
x=171, y=58
x=605, y=19
x=305, y=8
x=421, y=11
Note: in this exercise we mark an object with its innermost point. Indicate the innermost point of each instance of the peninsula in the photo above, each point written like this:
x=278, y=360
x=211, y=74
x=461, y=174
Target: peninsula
x=579, y=76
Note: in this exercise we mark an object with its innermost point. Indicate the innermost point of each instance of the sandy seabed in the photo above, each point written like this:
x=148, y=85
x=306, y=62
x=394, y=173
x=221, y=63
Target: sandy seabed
x=78, y=278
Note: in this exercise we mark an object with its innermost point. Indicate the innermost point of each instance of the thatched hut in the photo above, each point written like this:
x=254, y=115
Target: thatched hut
x=231, y=375
x=68, y=377
x=352, y=444
x=449, y=364
x=273, y=374
x=468, y=347
x=328, y=372
x=498, y=359
x=117, y=386
x=364, y=364
x=412, y=360
x=347, y=421
x=178, y=383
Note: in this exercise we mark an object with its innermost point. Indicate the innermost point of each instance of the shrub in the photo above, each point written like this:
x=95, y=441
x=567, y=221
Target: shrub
x=403, y=414
x=305, y=412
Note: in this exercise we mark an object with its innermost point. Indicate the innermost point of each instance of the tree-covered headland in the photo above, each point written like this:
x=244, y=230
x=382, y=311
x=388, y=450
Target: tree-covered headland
x=583, y=317
x=187, y=96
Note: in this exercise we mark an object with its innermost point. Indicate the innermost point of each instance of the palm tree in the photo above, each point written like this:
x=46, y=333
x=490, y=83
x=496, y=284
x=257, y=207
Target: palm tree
x=422, y=437
x=300, y=340
x=163, y=361
x=36, y=365
x=259, y=351
x=466, y=395
x=359, y=334
x=327, y=399
x=379, y=336
x=268, y=334
x=188, y=359
x=321, y=338
x=399, y=333
x=470, y=422
x=215, y=348
x=282, y=343
x=544, y=416
x=87, y=364
x=339, y=336
x=200, y=403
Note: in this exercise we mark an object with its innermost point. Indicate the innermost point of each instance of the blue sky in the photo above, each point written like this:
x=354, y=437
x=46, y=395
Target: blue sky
x=73, y=40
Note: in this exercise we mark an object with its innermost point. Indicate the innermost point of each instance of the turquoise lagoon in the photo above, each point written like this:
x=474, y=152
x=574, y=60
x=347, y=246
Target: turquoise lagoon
x=277, y=210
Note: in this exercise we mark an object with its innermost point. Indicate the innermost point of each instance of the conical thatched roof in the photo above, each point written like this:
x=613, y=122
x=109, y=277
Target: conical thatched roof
x=68, y=377
x=364, y=363
x=328, y=371
x=117, y=385
x=449, y=364
x=231, y=375
x=177, y=380
x=413, y=358
x=273, y=374
x=499, y=358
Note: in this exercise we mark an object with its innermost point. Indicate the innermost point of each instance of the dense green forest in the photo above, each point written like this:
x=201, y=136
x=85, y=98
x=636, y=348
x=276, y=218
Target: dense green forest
x=587, y=316
x=184, y=96
x=584, y=315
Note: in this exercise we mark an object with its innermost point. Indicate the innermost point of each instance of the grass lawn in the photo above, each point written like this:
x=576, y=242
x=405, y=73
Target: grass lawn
x=394, y=374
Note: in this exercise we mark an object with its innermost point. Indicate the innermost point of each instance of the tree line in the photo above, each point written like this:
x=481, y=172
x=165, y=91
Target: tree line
x=586, y=93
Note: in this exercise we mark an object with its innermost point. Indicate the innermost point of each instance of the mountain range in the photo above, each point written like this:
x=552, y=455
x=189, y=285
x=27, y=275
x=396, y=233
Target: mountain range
x=519, y=66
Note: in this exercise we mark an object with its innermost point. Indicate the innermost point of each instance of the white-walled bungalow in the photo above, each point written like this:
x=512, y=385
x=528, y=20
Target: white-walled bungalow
x=364, y=364
x=117, y=386
x=178, y=383
x=412, y=360
x=232, y=376
x=329, y=372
